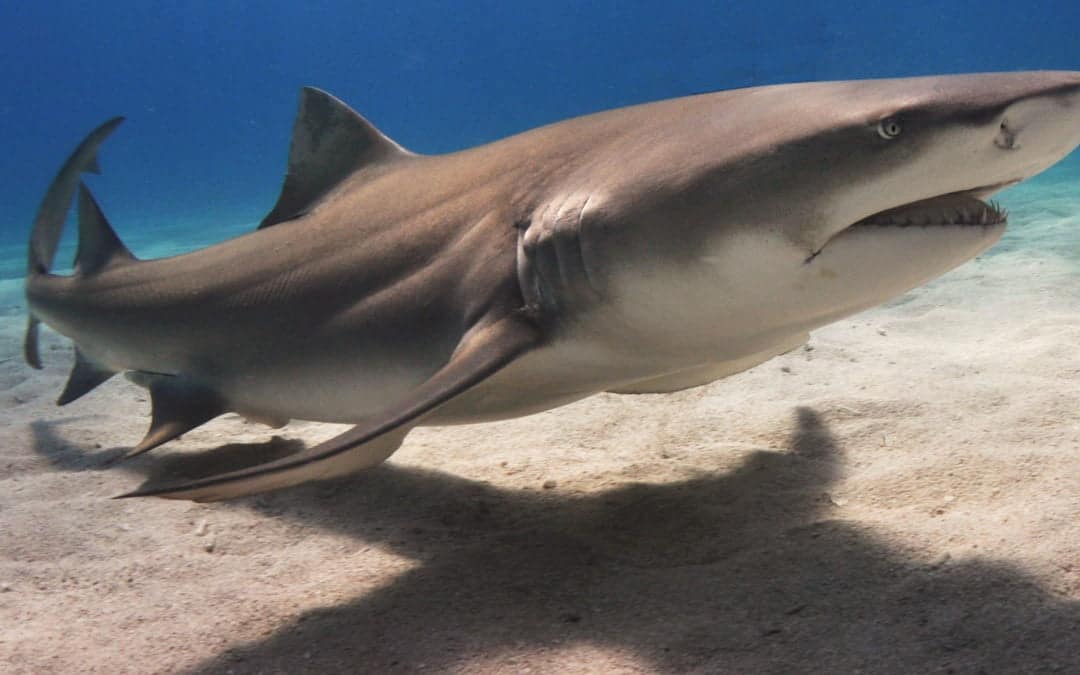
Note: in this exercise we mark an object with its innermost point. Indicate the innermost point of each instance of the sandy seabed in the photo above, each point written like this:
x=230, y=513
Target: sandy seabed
x=900, y=495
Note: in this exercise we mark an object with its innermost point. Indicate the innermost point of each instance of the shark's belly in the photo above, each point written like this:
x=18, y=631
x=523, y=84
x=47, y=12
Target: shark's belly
x=327, y=384
x=351, y=386
x=572, y=370
x=351, y=389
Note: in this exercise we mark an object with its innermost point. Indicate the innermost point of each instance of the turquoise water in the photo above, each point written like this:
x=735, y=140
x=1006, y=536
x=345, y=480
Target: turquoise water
x=1044, y=213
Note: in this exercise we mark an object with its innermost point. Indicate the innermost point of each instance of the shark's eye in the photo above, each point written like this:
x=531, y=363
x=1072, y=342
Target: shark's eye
x=889, y=128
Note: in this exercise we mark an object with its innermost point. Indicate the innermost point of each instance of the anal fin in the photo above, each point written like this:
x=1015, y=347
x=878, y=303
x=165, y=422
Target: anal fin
x=484, y=351
x=177, y=406
x=85, y=376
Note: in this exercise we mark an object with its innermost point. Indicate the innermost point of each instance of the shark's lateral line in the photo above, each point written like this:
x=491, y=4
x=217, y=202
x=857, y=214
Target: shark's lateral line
x=646, y=249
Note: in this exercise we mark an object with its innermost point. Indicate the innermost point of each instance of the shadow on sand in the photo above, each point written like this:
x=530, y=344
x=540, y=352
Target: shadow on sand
x=748, y=571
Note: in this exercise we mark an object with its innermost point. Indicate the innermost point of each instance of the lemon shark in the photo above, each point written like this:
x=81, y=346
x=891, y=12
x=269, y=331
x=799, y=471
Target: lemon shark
x=646, y=249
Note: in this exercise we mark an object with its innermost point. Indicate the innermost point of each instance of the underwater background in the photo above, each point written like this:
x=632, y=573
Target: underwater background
x=899, y=495
x=210, y=88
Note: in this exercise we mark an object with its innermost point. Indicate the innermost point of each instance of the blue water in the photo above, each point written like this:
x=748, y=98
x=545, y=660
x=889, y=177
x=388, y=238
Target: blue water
x=210, y=87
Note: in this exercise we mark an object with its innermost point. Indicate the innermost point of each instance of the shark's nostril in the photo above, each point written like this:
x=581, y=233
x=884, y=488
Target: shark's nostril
x=1006, y=138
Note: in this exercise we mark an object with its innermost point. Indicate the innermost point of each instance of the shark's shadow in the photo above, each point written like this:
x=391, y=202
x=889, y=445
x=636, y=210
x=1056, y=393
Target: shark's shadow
x=749, y=571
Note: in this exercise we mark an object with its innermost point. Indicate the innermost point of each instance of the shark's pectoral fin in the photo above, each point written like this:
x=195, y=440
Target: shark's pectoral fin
x=484, y=351
x=177, y=406
x=330, y=141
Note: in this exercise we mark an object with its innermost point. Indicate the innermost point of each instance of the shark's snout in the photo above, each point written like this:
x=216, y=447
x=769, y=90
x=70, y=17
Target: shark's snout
x=1040, y=129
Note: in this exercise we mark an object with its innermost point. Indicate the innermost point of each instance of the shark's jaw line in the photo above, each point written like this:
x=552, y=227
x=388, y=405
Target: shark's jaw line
x=955, y=209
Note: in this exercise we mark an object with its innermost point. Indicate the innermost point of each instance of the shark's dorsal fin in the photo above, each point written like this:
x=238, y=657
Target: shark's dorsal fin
x=176, y=407
x=330, y=141
x=85, y=376
x=99, y=247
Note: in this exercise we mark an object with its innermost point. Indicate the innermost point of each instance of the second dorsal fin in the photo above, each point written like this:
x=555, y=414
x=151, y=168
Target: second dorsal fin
x=99, y=247
x=329, y=142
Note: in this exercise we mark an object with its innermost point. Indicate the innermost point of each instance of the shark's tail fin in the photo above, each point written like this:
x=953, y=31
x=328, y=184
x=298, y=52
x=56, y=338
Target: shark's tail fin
x=49, y=223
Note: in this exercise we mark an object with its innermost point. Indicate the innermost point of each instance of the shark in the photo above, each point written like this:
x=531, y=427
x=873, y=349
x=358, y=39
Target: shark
x=646, y=249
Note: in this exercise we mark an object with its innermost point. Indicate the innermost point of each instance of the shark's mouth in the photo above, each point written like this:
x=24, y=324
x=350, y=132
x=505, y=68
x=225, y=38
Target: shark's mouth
x=956, y=208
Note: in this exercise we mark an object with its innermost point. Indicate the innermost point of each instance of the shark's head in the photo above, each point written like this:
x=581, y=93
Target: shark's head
x=921, y=151
x=813, y=201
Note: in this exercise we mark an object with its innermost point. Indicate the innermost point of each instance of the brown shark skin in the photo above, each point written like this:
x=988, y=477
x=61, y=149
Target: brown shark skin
x=342, y=311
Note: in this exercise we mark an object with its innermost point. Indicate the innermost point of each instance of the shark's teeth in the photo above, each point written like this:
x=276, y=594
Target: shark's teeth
x=951, y=209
